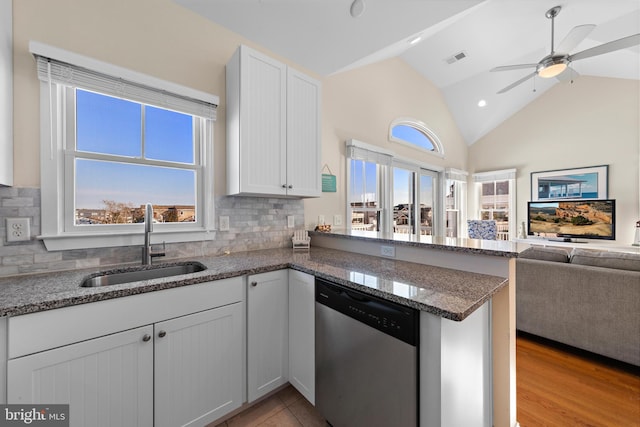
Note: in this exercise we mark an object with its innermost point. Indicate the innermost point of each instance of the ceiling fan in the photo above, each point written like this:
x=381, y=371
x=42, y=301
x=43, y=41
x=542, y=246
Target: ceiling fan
x=559, y=60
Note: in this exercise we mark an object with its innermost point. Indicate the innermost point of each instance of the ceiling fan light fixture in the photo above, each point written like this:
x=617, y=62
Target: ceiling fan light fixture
x=552, y=67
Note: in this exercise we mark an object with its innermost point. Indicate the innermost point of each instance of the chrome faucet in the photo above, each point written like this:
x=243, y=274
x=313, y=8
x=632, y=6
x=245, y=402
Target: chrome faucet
x=147, y=250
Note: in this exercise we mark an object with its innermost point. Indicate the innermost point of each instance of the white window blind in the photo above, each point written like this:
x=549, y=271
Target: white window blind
x=54, y=71
x=359, y=150
x=501, y=175
x=455, y=174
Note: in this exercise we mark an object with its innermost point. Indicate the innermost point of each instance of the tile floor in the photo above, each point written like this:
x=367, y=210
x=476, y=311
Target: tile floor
x=286, y=408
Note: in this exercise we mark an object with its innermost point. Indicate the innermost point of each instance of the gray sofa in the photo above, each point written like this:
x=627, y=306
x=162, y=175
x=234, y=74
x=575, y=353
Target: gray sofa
x=587, y=299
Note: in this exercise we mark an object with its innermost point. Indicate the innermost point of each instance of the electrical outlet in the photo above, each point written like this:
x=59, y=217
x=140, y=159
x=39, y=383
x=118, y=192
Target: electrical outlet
x=337, y=220
x=18, y=230
x=224, y=223
x=388, y=251
x=291, y=221
x=320, y=219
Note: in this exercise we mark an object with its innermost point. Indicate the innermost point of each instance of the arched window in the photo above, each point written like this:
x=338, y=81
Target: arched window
x=416, y=134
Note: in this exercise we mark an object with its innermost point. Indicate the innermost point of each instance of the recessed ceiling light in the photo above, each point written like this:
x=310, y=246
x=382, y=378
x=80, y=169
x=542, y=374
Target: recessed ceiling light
x=482, y=103
x=415, y=40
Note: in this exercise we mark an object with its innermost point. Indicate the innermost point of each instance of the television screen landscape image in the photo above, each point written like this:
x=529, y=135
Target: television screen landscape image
x=588, y=219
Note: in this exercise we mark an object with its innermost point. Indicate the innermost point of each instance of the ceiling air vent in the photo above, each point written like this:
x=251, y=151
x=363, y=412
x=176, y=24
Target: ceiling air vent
x=455, y=58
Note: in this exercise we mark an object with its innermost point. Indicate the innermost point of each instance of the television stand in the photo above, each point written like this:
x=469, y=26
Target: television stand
x=565, y=240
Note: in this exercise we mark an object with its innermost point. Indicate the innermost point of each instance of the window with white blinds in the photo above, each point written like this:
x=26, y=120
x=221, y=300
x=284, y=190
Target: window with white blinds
x=112, y=141
x=496, y=200
x=389, y=194
x=60, y=73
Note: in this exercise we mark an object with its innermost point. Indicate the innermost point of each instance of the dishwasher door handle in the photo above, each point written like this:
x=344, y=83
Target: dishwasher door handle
x=356, y=297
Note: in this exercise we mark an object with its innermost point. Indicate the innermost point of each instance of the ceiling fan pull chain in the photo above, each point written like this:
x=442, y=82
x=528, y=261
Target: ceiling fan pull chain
x=553, y=20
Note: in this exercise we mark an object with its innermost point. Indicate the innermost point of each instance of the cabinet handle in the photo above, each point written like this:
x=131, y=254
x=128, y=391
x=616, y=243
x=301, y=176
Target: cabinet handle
x=290, y=186
x=284, y=185
x=162, y=334
x=254, y=283
x=146, y=337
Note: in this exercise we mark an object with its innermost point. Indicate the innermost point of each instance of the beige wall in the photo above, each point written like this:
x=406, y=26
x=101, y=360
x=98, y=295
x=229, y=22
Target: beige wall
x=155, y=37
x=360, y=104
x=594, y=121
x=161, y=39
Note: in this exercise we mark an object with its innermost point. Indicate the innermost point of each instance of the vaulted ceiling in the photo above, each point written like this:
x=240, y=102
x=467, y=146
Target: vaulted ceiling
x=325, y=37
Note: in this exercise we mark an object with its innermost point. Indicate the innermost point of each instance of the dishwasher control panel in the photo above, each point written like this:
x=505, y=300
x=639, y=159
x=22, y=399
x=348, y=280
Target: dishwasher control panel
x=391, y=318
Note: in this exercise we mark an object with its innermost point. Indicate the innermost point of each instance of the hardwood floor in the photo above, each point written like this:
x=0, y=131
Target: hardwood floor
x=556, y=387
x=559, y=386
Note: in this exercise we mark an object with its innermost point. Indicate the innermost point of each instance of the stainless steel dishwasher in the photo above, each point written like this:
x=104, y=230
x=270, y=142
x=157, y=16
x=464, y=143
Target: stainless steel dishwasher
x=366, y=359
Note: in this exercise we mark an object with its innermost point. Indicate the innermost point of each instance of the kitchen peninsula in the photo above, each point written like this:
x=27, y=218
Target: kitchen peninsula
x=492, y=257
x=453, y=304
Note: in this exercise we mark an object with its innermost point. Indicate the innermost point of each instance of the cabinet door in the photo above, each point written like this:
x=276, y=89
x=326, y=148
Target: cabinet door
x=303, y=135
x=198, y=366
x=107, y=381
x=267, y=332
x=302, y=367
x=262, y=124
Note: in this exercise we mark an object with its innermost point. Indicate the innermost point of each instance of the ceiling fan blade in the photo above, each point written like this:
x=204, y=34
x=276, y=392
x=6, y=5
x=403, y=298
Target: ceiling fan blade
x=513, y=67
x=622, y=43
x=573, y=39
x=517, y=82
x=568, y=75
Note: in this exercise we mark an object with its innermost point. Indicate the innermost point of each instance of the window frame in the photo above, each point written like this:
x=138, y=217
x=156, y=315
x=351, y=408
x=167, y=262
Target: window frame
x=455, y=200
x=438, y=148
x=355, y=150
x=494, y=177
x=72, y=154
x=418, y=171
x=58, y=229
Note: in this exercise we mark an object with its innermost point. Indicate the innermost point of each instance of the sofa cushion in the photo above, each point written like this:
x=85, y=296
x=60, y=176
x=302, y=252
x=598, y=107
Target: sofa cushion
x=545, y=254
x=617, y=260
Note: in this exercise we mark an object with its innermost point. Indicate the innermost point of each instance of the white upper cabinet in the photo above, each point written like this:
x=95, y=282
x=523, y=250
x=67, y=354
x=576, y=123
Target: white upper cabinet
x=303, y=135
x=273, y=128
x=6, y=88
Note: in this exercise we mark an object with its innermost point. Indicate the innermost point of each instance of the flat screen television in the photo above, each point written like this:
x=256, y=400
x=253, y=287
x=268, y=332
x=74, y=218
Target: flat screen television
x=572, y=219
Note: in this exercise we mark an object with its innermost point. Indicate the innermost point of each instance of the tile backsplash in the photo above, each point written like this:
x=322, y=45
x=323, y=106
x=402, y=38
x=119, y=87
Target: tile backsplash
x=254, y=223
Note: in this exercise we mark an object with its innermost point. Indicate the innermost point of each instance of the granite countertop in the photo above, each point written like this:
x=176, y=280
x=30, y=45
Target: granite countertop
x=448, y=293
x=500, y=248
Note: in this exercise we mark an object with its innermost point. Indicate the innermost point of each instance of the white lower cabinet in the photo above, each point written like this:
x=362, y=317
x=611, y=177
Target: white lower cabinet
x=106, y=381
x=198, y=367
x=267, y=332
x=281, y=333
x=456, y=370
x=185, y=371
x=302, y=369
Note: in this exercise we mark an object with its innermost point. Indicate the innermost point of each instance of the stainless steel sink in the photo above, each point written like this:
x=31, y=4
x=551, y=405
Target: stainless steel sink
x=136, y=274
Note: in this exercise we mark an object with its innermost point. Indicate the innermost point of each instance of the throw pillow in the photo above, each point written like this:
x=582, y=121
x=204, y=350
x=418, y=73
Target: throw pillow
x=545, y=254
x=617, y=260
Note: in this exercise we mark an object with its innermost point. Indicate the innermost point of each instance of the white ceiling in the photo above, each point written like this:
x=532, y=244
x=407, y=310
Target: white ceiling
x=322, y=36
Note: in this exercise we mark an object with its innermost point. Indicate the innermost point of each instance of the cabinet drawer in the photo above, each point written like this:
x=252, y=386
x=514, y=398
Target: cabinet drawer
x=44, y=330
